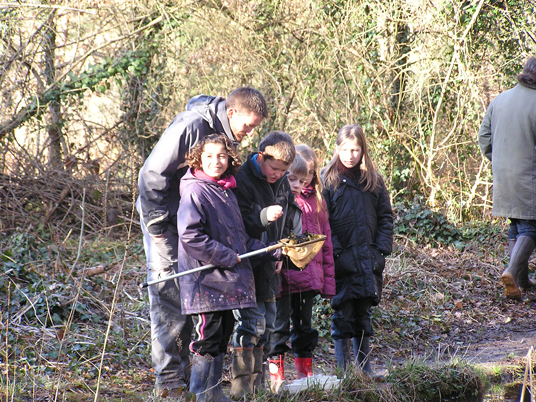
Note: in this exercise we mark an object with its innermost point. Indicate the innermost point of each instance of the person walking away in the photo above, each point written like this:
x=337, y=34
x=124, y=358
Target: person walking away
x=361, y=221
x=235, y=117
x=507, y=137
x=263, y=194
x=300, y=286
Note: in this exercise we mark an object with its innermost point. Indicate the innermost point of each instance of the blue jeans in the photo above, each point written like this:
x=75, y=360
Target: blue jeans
x=352, y=319
x=255, y=326
x=522, y=227
x=171, y=331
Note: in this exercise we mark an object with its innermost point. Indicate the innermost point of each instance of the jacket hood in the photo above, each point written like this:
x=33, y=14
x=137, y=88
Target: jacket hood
x=206, y=106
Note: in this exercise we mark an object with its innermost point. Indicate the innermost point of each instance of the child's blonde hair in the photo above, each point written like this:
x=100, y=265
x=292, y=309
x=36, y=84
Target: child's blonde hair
x=299, y=167
x=369, y=176
x=307, y=153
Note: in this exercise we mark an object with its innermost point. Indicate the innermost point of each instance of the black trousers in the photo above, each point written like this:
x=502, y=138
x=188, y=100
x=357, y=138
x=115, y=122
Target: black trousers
x=212, y=331
x=298, y=308
x=352, y=319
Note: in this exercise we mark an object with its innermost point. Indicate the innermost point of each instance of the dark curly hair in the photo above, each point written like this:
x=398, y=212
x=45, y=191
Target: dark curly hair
x=194, y=156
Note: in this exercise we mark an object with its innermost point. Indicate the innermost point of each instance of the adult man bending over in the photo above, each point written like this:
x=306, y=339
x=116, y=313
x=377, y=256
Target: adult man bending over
x=236, y=117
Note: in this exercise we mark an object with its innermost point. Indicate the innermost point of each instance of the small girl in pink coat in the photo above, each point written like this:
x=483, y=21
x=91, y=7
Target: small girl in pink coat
x=299, y=287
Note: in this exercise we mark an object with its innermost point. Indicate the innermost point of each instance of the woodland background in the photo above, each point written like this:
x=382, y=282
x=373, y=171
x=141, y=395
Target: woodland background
x=88, y=87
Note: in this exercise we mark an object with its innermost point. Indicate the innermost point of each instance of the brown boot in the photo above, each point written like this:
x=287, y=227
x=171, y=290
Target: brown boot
x=519, y=259
x=242, y=368
x=258, y=369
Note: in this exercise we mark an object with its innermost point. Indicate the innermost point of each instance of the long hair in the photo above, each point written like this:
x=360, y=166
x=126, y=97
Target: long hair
x=299, y=167
x=194, y=156
x=307, y=153
x=369, y=176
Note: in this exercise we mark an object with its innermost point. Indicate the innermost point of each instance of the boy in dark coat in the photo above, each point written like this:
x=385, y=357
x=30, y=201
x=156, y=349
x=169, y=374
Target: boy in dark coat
x=263, y=194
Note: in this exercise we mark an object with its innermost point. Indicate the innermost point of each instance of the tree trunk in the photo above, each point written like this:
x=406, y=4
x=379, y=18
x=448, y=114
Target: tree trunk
x=55, y=121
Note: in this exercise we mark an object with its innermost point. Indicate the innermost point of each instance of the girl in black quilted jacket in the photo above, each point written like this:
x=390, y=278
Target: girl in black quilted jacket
x=361, y=220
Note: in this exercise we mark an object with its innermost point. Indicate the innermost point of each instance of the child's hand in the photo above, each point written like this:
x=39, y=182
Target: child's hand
x=278, y=266
x=274, y=212
x=238, y=259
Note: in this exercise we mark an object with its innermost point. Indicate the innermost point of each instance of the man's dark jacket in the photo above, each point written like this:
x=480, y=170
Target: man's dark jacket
x=160, y=176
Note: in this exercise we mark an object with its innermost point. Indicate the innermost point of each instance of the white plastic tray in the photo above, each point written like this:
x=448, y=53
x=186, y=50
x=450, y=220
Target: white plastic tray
x=324, y=381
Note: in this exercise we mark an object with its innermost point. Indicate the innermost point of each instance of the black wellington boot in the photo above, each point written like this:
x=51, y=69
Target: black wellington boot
x=199, y=376
x=342, y=354
x=523, y=279
x=519, y=259
x=362, y=352
x=259, y=369
x=215, y=389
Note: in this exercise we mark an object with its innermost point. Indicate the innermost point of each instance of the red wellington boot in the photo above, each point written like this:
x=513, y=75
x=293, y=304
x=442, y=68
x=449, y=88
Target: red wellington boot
x=276, y=367
x=304, y=366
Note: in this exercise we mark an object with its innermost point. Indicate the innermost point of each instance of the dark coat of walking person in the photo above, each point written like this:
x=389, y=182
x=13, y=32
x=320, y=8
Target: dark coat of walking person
x=507, y=137
x=236, y=118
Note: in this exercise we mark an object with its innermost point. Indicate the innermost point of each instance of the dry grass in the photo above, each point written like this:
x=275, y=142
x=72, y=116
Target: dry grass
x=69, y=336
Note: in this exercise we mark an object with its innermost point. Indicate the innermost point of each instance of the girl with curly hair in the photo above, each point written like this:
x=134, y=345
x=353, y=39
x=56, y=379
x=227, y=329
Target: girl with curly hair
x=211, y=231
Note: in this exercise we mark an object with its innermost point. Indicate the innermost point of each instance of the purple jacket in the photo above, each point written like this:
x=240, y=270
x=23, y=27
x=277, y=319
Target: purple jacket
x=211, y=231
x=319, y=274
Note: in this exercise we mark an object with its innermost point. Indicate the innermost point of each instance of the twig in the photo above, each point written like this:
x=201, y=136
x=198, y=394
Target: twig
x=530, y=374
x=81, y=233
x=63, y=8
x=528, y=367
x=113, y=307
x=99, y=269
x=6, y=357
x=56, y=205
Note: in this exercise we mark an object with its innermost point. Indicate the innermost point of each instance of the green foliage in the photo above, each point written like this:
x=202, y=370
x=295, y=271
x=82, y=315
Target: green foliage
x=54, y=317
x=39, y=301
x=98, y=78
x=424, y=226
x=322, y=313
x=17, y=255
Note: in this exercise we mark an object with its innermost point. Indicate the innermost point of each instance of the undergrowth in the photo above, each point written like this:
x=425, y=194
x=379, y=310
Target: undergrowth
x=422, y=225
x=68, y=336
